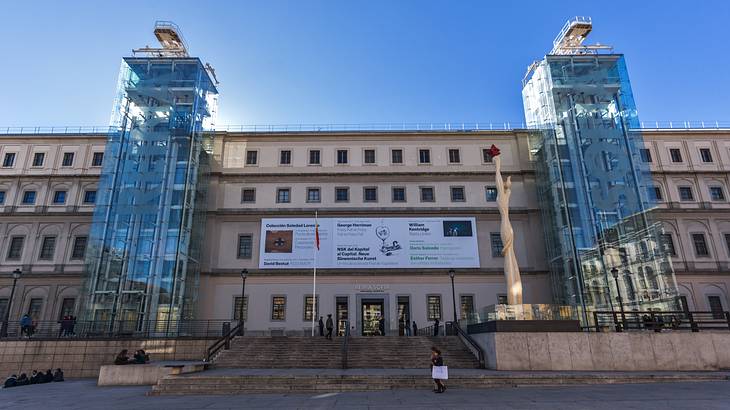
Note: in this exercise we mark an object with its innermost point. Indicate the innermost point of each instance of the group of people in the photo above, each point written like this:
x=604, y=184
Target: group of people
x=35, y=378
x=330, y=325
x=140, y=357
x=68, y=323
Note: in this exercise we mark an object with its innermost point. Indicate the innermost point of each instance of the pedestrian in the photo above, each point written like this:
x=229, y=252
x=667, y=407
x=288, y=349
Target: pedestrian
x=436, y=325
x=26, y=325
x=23, y=380
x=330, y=326
x=381, y=326
x=11, y=381
x=321, y=326
x=408, y=327
x=415, y=329
x=58, y=375
x=437, y=360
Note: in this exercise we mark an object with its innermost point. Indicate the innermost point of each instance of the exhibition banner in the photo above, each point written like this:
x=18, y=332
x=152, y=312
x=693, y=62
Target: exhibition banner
x=289, y=243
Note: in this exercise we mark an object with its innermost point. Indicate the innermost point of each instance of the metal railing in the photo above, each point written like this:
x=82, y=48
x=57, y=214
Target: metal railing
x=658, y=321
x=471, y=344
x=153, y=329
x=224, y=343
x=345, y=344
x=429, y=331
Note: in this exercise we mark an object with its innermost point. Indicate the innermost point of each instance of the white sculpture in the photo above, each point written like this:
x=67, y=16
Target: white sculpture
x=511, y=269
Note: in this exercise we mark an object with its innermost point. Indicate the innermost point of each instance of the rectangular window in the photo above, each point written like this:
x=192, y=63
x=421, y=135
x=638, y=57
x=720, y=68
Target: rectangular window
x=4, y=303
x=311, y=306
x=342, y=194
x=245, y=246
x=342, y=156
x=668, y=244
x=237, y=308
x=89, y=197
x=97, y=159
x=369, y=156
x=370, y=194
x=38, y=158
x=487, y=156
x=683, y=303
x=314, y=157
x=496, y=241
x=59, y=197
x=427, y=194
x=67, y=308
x=314, y=195
x=399, y=194
x=685, y=193
x=68, y=159
x=48, y=247
x=252, y=157
x=2, y=197
x=454, y=156
x=28, y=197
x=278, y=308
x=79, y=249
x=285, y=157
x=491, y=194
x=727, y=242
x=34, y=308
x=645, y=155
x=467, y=306
x=248, y=195
x=457, y=194
x=655, y=193
x=396, y=156
x=282, y=196
x=424, y=156
x=15, y=250
x=676, y=154
x=700, y=243
x=706, y=154
x=716, y=307
x=502, y=299
x=9, y=160
x=434, y=307
x=716, y=193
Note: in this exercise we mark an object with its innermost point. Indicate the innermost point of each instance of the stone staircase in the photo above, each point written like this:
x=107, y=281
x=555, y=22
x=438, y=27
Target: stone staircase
x=407, y=352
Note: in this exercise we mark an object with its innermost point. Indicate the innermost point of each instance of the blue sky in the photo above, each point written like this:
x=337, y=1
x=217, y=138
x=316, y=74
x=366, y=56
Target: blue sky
x=356, y=62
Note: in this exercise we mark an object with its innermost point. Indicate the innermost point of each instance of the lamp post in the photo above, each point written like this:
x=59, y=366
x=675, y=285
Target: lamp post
x=619, y=299
x=6, y=319
x=452, y=273
x=244, y=273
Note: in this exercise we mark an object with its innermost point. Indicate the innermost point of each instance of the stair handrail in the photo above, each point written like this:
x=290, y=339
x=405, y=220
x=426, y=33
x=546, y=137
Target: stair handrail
x=223, y=343
x=472, y=344
x=345, y=344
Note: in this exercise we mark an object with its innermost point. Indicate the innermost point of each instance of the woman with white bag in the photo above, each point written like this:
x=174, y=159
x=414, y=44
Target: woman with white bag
x=439, y=372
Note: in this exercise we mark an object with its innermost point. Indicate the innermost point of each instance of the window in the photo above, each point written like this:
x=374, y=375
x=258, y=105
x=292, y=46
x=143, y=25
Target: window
x=496, y=241
x=370, y=194
x=89, y=197
x=34, y=308
x=278, y=308
x=97, y=159
x=245, y=245
x=676, y=154
x=399, y=194
x=252, y=157
x=716, y=307
x=314, y=157
x=491, y=194
x=48, y=247
x=685, y=193
x=67, y=308
x=424, y=156
x=427, y=194
x=59, y=197
x=2, y=197
x=668, y=244
x=369, y=156
x=4, y=303
x=313, y=195
x=727, y=242
x=655, y=193
x=28, y=197
x=9, y=159
x=396, y=156
x=15, y=250
x=434, y=307
x=454, y=156
x=502, y=299
x=38, y=158
x=237, y=308
x=68, y=159
x=248, y=195
x=706, y=154
x=457, y=194
x=311, y=306
x=282, y=195
x=342, y=194
x=683, y=303
x=700, y=243
x=716, y=193
x=342, y=156
x=645, y=155
x=487, y=156
x=467, y=306
x=285, y=157
x=79, y=249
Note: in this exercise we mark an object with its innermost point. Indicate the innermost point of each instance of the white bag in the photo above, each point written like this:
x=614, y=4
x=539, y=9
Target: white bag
x=440, y=372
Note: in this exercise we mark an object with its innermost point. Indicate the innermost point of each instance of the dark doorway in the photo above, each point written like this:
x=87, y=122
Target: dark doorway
x=404, y=314
x=342, y=315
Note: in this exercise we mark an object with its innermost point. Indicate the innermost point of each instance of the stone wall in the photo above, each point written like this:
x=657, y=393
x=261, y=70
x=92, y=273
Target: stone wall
x=631, y=351
x=83, y=358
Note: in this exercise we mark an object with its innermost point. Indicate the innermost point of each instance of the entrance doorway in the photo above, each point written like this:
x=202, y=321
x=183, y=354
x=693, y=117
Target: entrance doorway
x=372, y=313
x=342, y=315
x=404, y=314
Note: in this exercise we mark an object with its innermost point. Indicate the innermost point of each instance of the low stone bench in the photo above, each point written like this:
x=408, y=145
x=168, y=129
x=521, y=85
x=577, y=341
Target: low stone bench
x=145, y=374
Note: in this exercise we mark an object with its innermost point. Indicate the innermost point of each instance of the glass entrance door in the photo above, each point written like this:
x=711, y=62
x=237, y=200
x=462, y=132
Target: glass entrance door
x=372, y=312
x=341, y=315
x=404, y=314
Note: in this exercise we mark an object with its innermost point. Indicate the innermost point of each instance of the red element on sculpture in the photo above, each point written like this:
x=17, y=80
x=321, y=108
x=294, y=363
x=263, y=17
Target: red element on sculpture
x=493, y=151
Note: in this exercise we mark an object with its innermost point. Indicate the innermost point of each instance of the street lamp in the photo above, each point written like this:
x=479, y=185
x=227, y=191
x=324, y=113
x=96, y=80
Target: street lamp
x=620, y=300
x=244, y=273
x=453, y=294
x=4, y=330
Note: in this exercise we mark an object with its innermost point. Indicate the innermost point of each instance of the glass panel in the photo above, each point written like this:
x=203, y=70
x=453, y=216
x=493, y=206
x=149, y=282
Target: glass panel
x=308, y=302
x=237, y=308
x=48, y=246
x=434, y=307
x=34, y=308
x=278, y=308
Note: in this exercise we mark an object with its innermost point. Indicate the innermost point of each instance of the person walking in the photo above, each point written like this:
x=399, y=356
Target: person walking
x=381, y=326
x=437, y=360
x=330, y=326
x=436, y=325
x=321, y=326
x=415, y=329
x=408, y=327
